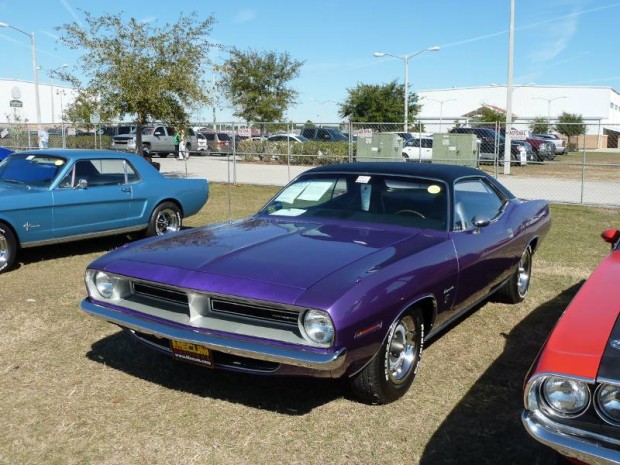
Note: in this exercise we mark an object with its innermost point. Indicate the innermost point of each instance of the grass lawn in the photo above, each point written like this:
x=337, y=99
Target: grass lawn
x=77, y=390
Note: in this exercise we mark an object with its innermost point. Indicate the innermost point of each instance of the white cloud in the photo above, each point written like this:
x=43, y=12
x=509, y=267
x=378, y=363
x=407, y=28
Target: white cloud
x=71, y=11
x=244, y=16
x=148, y=20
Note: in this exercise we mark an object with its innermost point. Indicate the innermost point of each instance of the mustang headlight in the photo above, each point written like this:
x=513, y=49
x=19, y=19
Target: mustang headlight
x=318, y=327
x=565, y=397
x=607, y=403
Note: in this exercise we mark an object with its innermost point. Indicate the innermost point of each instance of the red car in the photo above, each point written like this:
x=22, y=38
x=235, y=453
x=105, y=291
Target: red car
x=572, y=393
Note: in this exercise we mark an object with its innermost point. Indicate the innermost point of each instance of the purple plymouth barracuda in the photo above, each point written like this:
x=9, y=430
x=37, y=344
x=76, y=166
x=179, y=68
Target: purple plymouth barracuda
x=345, y=272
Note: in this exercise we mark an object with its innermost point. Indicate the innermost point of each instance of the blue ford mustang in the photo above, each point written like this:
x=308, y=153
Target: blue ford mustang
x=52, y=196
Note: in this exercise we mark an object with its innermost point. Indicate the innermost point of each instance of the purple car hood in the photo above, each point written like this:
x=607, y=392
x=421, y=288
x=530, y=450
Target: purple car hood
x=254, y=258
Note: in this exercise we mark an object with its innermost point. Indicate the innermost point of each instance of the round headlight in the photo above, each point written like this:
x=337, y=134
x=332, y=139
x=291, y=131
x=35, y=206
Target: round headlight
x=104, y=284
x=566, y=397
x=318, y=327
x=608, y=403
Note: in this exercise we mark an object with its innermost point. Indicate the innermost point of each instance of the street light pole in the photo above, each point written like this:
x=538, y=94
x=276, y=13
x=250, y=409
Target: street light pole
x=34, y=68
x=441, y=102
x=51, y=73
x=549, y=100
x=405, y=59
x=62, y=120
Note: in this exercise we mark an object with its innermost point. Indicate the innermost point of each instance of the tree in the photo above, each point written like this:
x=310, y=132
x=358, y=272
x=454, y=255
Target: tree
x=570, y=124
x=134, y=68
x=374, y=103
x=257, y=84
x=540, y=125
x=80, y=110
x=488, y=114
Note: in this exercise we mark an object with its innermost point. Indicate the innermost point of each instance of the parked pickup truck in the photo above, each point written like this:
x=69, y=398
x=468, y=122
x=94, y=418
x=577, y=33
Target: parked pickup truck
x=158, y=140
x=560, y=144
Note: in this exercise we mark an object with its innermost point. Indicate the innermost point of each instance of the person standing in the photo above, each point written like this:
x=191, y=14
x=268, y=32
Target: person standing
x=44, y=138
x=183, y=152
x=177, y=141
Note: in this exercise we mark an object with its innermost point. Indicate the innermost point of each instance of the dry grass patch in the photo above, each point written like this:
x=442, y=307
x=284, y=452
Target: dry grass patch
x=76, y=390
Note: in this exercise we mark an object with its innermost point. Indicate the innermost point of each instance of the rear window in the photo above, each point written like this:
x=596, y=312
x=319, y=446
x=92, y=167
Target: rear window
x=223, y=136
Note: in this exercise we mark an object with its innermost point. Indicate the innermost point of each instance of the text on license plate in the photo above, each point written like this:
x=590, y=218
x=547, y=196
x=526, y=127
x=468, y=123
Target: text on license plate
x=192, y=353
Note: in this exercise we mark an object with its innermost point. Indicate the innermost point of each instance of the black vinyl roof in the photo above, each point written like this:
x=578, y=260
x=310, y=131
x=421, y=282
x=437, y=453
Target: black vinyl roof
x=447, y=173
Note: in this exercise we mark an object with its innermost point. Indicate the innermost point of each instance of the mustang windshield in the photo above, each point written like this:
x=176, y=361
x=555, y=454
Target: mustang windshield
x=31, y=170
x=384, y=199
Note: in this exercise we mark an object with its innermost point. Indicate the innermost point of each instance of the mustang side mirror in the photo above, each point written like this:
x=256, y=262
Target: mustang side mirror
x=82, y=184
x=611, y=236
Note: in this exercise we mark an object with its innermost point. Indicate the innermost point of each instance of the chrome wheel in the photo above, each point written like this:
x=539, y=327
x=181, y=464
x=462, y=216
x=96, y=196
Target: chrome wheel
x=402, y=349
x=4, y=251
x=524, y=273
x=168, y=220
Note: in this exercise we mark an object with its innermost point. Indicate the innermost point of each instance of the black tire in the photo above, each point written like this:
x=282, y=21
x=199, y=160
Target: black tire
x=392, y=370
x=516, y=288
x=8, y=248
x=166, y=218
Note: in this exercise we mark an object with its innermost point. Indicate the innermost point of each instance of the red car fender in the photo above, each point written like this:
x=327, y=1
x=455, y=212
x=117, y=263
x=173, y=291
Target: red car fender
x=577, y=343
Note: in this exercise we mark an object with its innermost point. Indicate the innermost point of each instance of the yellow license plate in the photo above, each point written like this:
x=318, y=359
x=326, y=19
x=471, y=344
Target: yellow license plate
x=191, y=353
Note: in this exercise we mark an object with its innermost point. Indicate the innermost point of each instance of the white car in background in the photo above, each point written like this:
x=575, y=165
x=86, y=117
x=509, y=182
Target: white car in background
x=418, y=149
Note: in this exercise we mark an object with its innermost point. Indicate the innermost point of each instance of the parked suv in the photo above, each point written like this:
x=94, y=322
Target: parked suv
x=157, y=140
x=324, y=134
x=217, y=143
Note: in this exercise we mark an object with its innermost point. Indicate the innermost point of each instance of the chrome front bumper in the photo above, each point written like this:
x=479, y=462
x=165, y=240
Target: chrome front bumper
x=323, y=361
x=587, y=447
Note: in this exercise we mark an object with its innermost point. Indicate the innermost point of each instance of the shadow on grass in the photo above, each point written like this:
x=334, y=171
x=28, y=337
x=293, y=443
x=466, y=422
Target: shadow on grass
x=68, y=249
x=286, y=395
x=485, y=427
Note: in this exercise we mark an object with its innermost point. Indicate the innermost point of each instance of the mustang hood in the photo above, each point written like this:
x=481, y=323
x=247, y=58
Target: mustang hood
x=253, y=258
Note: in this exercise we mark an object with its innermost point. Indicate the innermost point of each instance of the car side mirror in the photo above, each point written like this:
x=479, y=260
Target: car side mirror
x=611, y=236
x=81, y=184
x=480, y=222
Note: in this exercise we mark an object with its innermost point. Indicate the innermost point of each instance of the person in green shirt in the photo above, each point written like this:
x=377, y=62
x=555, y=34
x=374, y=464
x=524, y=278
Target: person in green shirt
x=177, y=141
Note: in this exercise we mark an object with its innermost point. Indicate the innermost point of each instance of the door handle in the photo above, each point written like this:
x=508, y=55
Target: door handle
x=126, y=189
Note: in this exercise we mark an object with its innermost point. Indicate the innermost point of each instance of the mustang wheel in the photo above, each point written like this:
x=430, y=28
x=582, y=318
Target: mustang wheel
x=391, y=371
x=8, y=247
x=515, y=289
x=166, y=218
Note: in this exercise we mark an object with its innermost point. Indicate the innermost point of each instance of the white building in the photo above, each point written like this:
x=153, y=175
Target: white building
x=53, y=100
x=598, y=106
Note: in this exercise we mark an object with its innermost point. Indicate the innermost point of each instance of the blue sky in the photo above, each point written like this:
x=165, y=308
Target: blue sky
x=557, y=42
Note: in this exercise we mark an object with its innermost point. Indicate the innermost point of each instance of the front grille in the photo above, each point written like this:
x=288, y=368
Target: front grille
x=160, y=293
x=254, y=311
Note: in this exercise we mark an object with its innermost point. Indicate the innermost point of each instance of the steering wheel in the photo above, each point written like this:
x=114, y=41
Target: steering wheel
x=410, y=212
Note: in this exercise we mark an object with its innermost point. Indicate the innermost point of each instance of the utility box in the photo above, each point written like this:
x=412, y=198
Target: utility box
x=380, y=147
x=456, y=149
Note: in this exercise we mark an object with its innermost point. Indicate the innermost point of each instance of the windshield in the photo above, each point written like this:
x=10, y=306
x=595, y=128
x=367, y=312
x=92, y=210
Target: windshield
x=31, y=170
x=384, y=199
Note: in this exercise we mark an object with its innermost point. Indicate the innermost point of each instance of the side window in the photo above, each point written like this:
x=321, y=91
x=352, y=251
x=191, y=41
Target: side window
x=475, y=198
x=171, y=131
x=100, y=172
x=159, y=131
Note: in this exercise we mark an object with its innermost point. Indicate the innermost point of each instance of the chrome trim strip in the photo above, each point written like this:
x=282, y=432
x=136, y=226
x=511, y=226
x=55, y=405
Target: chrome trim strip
x=78, y=237
x=582, y=445
x=269, y=353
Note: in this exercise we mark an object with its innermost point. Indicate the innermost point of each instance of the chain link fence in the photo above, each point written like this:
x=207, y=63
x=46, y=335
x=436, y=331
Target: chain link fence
x=582, y=168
